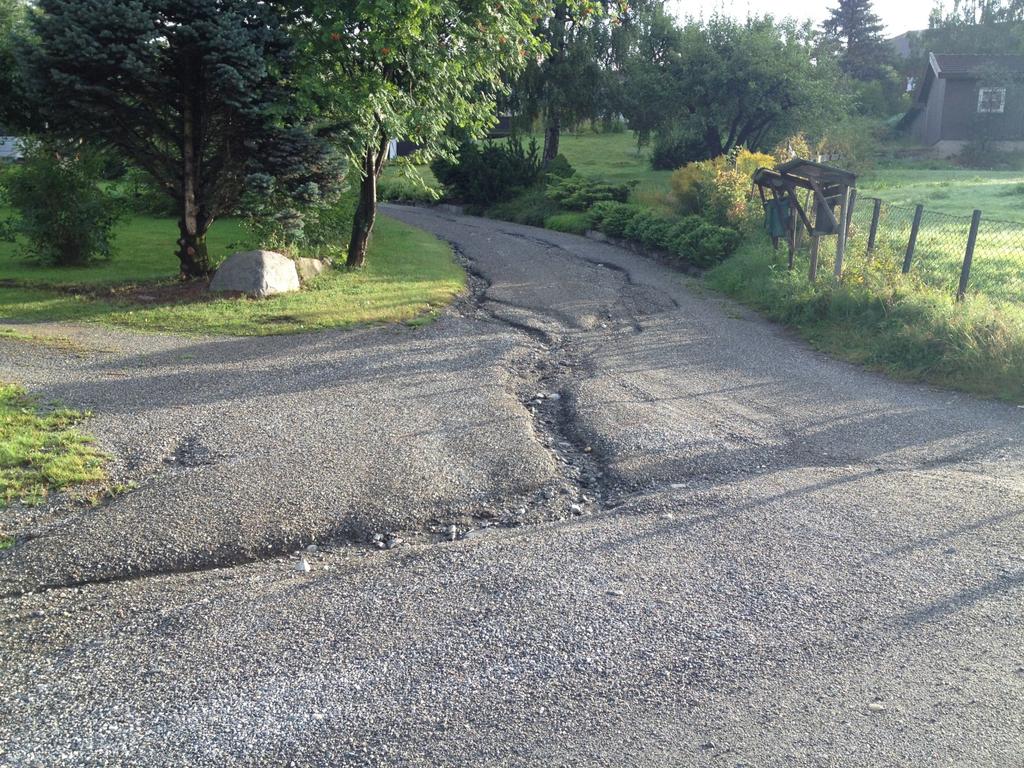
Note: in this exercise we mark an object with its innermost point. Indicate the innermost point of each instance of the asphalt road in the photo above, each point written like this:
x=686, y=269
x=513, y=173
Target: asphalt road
x=705, y=545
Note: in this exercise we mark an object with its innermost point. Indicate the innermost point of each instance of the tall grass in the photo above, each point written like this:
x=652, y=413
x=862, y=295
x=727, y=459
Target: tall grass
x=885, y=320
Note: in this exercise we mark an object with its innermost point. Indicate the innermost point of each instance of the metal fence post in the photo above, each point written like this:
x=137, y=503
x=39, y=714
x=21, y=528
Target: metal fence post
x=918, y=212
x=965, y=271
x=875, y=215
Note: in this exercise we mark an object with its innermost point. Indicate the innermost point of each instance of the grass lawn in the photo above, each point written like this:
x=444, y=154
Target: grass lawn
x=608, y=156
x=408, y=275
x=949, y=197
x=614, y=157
x=144, y=250
x=999, y=194
x=41, y=450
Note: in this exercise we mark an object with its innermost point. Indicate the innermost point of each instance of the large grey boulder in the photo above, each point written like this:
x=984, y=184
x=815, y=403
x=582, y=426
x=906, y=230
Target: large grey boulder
x=308, y=268
x=256, y=273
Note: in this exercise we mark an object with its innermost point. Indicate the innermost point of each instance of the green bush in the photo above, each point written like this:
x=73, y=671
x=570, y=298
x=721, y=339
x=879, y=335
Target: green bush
x=578, y=193
x=691, y=239
x=530, y=207
x=571, y=222
x=559, y=168
x=402, y=189
x=613, y=218
x=677, y=146
x=708, y=245
x=61, y=210
x=483, y=175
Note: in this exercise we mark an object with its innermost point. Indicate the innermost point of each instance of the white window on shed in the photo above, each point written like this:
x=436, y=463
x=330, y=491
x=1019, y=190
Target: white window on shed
x=991, y=100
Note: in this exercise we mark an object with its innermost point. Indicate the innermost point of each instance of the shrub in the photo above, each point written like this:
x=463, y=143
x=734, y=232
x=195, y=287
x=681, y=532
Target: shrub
x=559, y=168
x=327, y=234
x=710, y=245
x=571, y=222
x=855, y=141
x=793, y=146
x=578, y=193
x=530, y=207
x=986, y=154
x=613, y=218
x=488, y=174
x=719, y=189
x=691, y=239
x=61, y=209
x=407, y=189
x=676, y=147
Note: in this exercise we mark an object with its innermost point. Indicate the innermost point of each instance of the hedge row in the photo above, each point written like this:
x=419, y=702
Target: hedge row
x=691, y=239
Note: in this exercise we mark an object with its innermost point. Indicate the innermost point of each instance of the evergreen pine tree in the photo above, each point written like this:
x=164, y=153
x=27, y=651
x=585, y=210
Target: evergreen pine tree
x=195, y=92
x=855, y=26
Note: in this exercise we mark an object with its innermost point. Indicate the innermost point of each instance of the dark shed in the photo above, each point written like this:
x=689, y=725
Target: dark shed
x=965, y=97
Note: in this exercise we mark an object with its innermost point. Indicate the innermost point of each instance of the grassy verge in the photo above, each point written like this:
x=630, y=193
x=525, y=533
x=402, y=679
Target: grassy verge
x=40, y=450
x=409, y=274
x=886, y=322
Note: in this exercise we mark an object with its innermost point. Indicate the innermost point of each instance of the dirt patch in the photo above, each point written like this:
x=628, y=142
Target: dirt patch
x=176, y=292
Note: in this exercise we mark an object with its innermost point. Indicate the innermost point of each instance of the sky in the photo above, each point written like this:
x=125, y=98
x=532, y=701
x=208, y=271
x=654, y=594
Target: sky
x=897, y=15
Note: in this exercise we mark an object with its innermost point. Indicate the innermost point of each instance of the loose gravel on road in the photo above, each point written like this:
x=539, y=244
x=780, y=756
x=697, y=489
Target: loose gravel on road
x=590, y=517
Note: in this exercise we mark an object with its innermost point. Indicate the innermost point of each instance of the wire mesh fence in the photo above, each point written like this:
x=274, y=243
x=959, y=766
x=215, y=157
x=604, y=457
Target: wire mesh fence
x=884, y=236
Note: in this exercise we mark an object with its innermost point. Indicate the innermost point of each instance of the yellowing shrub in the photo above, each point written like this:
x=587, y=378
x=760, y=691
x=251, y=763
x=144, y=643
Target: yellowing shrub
x=794, y=146
x=719, y=189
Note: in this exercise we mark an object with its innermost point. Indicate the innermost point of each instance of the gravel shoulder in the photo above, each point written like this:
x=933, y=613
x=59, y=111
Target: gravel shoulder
x=705, y=544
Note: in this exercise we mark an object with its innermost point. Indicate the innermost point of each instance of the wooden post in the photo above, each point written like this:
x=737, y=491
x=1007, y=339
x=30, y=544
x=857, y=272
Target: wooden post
x=875, y=215
x=812, y=274
x=844, y=211
x=791, y=240
x=965, y=271
x=918, y=212
x=849, y=213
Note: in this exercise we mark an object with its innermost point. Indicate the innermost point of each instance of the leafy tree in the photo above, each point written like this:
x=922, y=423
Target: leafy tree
x=724, y=83
x=644, y=46
x=13, y=18
x=857, y=29
x=63, y=213
x=565, y=86
x=195, y=92
x=978, y=26
x=409, y=69
x=979, y=13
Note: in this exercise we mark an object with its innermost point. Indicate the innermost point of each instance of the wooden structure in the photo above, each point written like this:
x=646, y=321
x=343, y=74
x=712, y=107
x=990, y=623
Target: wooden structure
x=829, y=188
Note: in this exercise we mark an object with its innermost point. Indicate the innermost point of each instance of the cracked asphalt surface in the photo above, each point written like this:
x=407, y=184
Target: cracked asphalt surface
x=706, y=544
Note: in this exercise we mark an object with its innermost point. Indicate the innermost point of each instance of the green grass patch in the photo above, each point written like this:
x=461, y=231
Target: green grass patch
x=613, y=157
x=144, y=251
x=408, y=273
x=952, y=191
x=573, y=222
x=886, y=321
x=40, y=450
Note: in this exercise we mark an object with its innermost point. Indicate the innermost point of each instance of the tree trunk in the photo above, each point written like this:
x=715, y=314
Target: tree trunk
x=552, y=134
x=366, y=208
x=192, y=252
